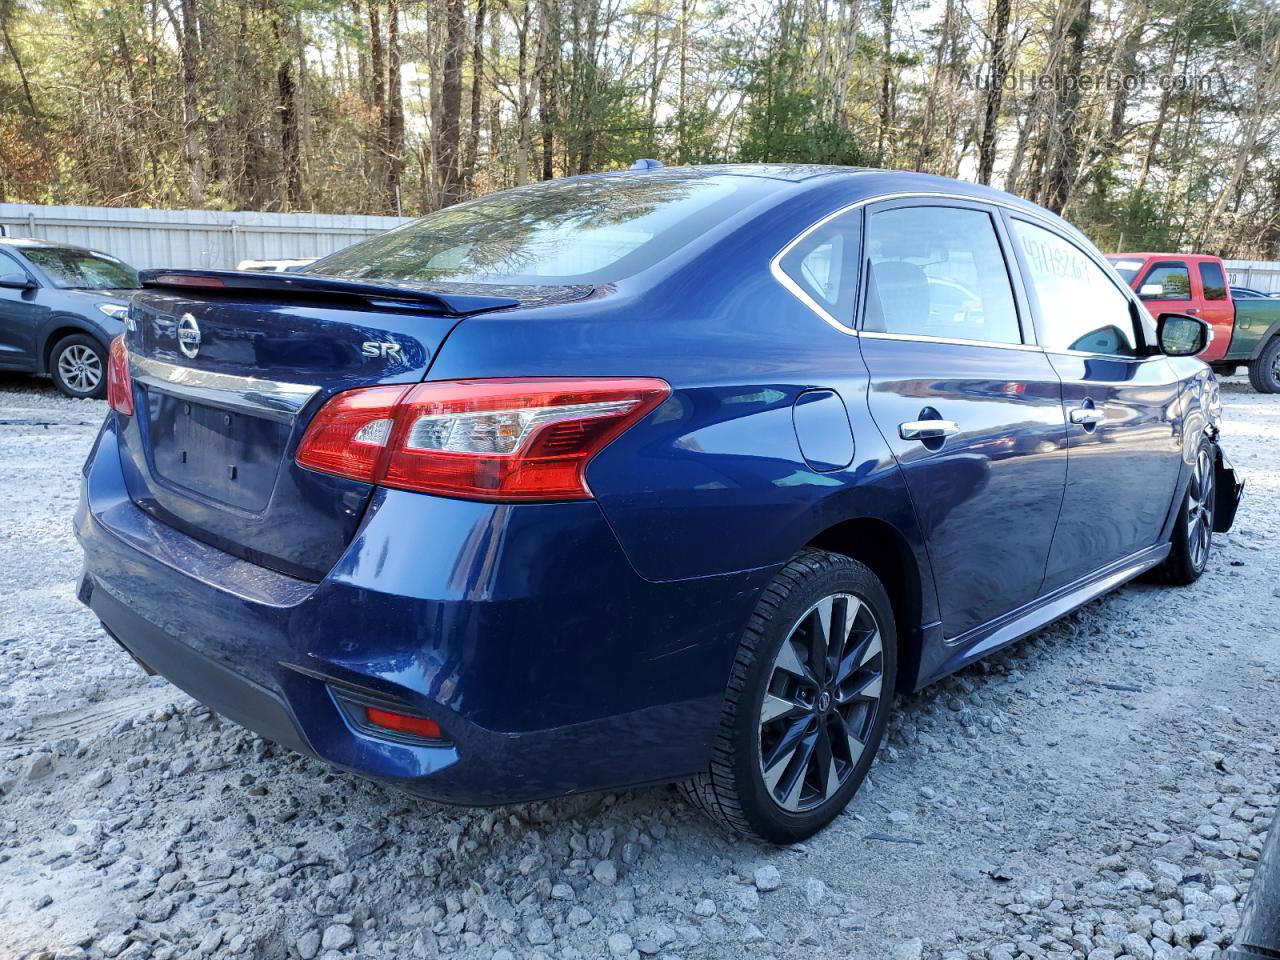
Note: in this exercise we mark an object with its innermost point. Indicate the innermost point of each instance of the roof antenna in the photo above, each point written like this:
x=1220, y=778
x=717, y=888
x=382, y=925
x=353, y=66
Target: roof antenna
x=647, y=164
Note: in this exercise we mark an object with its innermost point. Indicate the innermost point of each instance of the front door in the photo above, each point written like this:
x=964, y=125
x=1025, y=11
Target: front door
x=21, y=316
x=1121, y=400
x=971, y=409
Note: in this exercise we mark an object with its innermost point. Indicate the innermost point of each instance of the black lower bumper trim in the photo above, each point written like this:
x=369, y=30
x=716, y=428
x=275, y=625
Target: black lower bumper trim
x=224, y=691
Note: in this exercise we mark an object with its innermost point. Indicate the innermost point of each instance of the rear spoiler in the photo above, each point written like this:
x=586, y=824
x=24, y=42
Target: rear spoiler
x=209, y=281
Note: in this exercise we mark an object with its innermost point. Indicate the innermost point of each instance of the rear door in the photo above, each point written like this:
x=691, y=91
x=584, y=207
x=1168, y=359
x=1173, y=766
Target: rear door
x=1121, y=401
x=1217, y=310
x=968, y=403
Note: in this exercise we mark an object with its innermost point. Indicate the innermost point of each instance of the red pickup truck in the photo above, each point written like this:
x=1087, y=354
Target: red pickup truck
x=1245, y=332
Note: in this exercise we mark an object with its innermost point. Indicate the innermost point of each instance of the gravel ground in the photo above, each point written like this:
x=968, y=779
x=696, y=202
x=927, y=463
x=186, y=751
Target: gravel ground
x=1100, y=790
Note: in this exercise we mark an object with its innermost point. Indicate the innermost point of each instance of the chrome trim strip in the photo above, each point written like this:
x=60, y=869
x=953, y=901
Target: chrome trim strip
x=271, y=399
x=798, y=292
x=924, y=338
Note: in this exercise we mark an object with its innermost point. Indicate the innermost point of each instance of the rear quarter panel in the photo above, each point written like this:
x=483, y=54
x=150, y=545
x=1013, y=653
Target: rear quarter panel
x=713, y=481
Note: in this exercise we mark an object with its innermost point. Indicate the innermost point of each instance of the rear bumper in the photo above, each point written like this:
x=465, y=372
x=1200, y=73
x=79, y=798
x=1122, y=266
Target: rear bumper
x=549, y=664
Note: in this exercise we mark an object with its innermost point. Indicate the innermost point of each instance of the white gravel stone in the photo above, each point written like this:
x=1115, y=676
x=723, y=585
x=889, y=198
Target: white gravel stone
x=767, y=878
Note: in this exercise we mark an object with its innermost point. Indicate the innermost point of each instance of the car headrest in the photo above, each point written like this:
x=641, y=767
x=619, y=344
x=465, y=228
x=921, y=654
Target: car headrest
x=897, y=298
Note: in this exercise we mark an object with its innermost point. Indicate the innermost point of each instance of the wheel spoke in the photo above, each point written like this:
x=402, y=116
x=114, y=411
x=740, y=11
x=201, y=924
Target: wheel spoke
x=852, y=739
x=789, y=661
x=820, y=627
x=859, y=655
x=827, y=778
x=776, y=707
x=786, y=746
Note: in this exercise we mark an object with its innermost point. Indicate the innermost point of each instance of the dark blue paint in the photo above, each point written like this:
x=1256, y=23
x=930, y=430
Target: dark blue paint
x=822, y=427
x=586, y=645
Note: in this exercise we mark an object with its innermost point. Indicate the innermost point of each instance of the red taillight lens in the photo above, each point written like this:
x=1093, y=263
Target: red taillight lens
x=349, y=435
x=403, y=723
x=119, y=383
x=498, y=440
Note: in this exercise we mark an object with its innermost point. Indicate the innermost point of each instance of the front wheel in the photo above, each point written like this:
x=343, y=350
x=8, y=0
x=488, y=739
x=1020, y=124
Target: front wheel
x=807, y=701
x=78, y=364
x=1193, y=530
x=1264, y=372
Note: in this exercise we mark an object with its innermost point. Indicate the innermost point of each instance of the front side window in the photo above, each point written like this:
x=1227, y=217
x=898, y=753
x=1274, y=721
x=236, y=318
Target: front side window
x=71, y=268
x=938, y=272
x=587, y=230
x=1166, y=281
x=1080, y=307
x=1214, y=283
x=823, y=266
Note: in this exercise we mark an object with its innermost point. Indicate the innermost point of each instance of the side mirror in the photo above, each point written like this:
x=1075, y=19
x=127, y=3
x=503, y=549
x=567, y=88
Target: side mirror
x=16, y=280
x=1182, y=336
x=1150, y=290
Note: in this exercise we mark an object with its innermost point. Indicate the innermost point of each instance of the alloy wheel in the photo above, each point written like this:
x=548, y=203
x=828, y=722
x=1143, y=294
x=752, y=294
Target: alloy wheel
x=821, y=704
x=1200, y=510
x=80, y=368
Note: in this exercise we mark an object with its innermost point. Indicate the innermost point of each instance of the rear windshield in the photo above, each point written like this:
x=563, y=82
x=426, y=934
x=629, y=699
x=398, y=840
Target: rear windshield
x=1127, y=267
x=589, y=230
x=82, y=268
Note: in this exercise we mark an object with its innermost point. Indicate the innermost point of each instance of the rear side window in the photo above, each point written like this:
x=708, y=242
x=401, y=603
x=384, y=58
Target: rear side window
x=938, y=272
x=824, y=267
x=586, y=230
x=1080, y=307
x=1214, y=283
x=1166, y=281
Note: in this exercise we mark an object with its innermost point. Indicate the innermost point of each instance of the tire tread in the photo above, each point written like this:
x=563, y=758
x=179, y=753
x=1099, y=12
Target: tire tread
x=714, y=791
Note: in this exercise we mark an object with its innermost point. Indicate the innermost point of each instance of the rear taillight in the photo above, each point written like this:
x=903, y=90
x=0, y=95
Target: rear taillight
x=119, y=383
x=497, y=440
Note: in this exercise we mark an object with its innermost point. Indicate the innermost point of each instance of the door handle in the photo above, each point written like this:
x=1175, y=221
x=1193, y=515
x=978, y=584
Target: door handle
x=1191, y=311
x=1087, y=416
x=927, y=429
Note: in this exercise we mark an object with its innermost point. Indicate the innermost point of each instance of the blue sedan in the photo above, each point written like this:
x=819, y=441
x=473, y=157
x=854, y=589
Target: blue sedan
x=669, y=475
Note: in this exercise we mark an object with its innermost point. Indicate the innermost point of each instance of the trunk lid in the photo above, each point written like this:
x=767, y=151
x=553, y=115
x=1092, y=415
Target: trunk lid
x=228, y=369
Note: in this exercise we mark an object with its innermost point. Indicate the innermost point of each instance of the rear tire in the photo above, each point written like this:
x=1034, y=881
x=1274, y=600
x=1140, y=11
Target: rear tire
x=78, y=364
x=1193, y=531
x=1264, y=372
x=796, y=740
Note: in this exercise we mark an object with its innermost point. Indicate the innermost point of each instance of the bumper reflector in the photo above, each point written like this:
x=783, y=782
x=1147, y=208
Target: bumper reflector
x=401, y=723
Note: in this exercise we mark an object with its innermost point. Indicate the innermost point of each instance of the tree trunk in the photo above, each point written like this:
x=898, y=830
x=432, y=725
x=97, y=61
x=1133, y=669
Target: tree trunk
x=17, y=61
x=378, y=101
x=449, y=172
x=395, y=111
x=924, y=154
x=998, y=70
x=886, y=79
x=193, y=141
x=477, y=80
x=1162, y=113
x=290, y=139
x=1066, y=165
